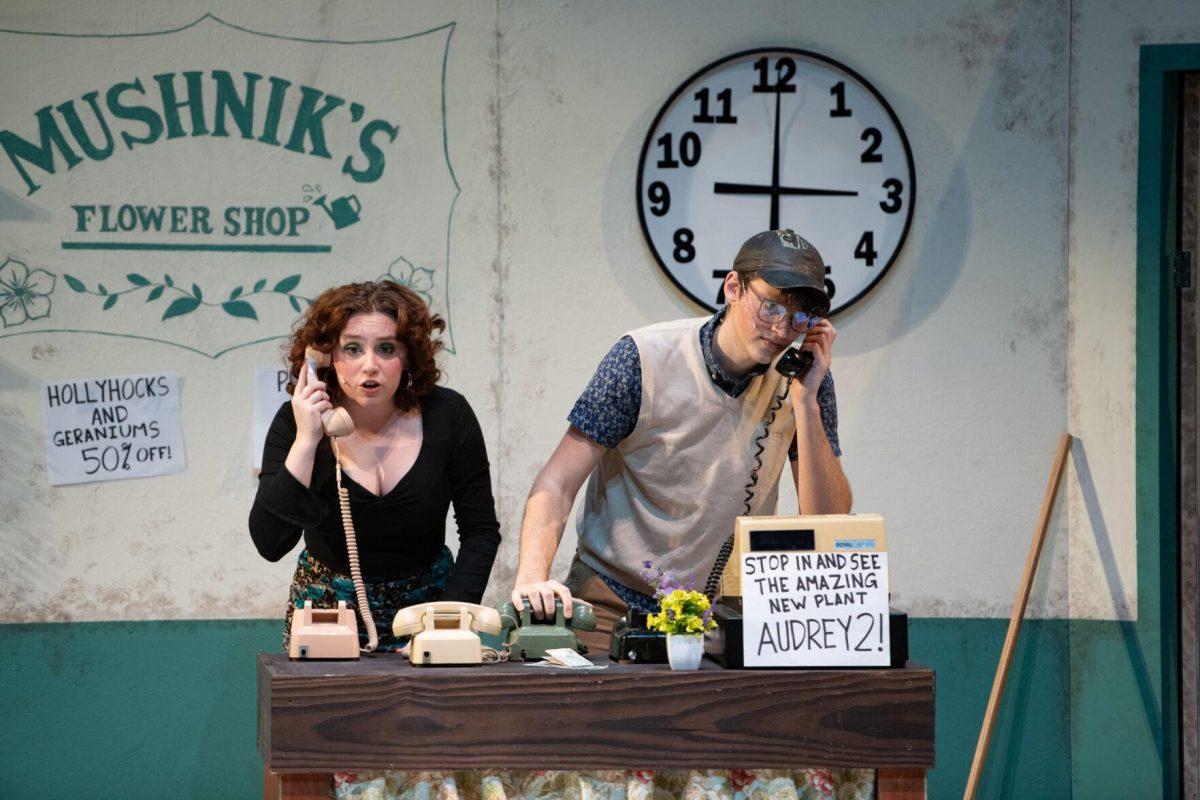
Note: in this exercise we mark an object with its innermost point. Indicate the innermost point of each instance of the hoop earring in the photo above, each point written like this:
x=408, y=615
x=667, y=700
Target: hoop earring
x=405, y=380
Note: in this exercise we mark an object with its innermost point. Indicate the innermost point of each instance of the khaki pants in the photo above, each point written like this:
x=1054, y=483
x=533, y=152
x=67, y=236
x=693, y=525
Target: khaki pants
x=586, y=585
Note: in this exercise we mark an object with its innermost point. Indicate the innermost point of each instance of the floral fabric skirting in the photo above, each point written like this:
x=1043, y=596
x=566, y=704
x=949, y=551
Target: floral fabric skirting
x=736, y=784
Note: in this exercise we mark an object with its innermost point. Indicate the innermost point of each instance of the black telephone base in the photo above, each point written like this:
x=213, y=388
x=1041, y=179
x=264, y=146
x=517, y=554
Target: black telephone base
x=633, y=643
x=726, y=646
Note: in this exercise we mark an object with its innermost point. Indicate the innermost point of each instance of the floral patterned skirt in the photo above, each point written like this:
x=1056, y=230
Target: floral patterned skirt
x=315, y=583
x=736, y=784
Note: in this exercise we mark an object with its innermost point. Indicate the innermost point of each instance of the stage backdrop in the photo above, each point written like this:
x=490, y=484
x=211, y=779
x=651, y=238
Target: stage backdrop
x=175, y=189
x=177, y=180
x=171, y=198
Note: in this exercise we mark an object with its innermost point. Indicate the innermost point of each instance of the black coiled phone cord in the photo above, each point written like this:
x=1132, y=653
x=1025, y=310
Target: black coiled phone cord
x=714, y=578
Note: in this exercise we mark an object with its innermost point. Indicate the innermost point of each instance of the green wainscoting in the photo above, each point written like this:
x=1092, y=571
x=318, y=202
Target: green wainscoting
x=131, y=709
x=167, y=709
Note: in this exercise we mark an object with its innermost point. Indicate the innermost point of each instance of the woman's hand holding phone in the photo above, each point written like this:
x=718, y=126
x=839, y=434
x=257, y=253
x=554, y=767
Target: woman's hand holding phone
x=309, y=401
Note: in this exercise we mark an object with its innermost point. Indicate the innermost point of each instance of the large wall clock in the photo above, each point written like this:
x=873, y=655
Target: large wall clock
x=775, y=138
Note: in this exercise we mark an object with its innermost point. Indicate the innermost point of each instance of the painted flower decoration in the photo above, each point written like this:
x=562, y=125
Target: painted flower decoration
x=419, y=279
x=24, y=295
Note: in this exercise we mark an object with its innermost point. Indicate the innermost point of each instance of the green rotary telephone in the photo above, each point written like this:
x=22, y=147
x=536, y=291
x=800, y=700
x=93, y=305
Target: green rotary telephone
x=528, y=639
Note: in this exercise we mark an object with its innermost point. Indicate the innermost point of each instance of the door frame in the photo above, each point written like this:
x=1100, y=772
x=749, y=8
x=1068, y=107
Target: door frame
x=1157, y=385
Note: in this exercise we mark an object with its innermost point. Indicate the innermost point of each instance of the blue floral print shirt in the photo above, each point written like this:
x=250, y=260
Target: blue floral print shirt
x=607, y=411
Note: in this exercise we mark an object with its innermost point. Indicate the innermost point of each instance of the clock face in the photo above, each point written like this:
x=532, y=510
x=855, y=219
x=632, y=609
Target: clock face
x=770, y=139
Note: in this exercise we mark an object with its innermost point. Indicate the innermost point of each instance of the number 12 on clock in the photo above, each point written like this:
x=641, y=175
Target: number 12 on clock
x=769, y=139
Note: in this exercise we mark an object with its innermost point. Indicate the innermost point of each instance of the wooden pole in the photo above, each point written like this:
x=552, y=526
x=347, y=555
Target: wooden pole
x=1018, y=613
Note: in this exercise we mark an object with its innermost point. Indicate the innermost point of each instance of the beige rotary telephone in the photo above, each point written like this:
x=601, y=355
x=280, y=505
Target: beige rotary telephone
x=323, y=633
x=305, y=633
x=445, y=633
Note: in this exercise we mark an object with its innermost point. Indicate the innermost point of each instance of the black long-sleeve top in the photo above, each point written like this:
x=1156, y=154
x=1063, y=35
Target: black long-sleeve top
x=400, y=532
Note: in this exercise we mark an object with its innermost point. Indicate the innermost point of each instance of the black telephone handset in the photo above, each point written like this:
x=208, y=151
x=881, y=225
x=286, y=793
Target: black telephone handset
x=794, y=363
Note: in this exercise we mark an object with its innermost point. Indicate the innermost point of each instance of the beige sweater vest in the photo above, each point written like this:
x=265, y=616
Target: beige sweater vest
x=669, y=492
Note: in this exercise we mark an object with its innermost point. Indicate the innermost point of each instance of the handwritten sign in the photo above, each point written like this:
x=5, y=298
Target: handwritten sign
x=106, y=429
x=815, y=609
x=270, y=391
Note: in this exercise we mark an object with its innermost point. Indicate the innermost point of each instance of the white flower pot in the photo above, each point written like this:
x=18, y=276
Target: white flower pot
x=684, y=650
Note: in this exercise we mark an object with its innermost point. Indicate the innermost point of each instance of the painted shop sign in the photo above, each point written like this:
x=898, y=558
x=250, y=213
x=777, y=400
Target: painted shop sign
x=162, y=113
x=199, y=186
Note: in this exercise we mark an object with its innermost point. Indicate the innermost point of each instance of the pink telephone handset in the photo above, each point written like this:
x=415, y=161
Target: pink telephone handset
x=337, y=422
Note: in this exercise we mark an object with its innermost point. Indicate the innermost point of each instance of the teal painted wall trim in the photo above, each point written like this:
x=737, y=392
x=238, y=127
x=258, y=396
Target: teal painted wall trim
x=1030, y=751
x=167, y=709
x=131, y=710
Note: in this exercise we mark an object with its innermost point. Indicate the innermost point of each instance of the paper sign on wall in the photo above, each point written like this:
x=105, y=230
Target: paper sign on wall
x=106, y=429
x=822, y=606
x=270, y=391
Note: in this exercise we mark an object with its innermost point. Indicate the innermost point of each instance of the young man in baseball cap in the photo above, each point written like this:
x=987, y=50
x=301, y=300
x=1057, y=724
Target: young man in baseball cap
x=666, y=430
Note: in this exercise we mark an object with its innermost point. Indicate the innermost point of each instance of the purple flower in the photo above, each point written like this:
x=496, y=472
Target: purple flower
x=656, y=578
x=664, y=582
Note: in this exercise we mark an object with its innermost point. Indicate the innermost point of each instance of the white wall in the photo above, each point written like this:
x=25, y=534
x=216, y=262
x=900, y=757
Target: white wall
x=996, y=329
x=950, y=374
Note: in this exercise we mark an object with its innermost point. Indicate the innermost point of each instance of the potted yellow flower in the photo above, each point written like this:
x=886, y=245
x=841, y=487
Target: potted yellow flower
x=684, y=615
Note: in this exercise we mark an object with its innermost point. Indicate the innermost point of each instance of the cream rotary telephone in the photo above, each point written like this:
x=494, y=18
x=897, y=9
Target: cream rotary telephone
x=446, y=633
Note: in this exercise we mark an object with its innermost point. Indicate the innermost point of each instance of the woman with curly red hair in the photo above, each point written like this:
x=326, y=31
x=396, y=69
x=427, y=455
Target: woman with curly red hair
x=416, y=449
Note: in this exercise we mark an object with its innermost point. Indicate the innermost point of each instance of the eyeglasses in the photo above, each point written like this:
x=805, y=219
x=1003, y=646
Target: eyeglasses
x=772, y=312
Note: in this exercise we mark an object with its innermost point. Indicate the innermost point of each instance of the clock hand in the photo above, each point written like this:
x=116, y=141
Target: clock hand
x=750, y=188
x=775, y=167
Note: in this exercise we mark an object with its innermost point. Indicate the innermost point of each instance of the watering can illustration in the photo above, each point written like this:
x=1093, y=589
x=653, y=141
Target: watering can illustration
x=343, y=211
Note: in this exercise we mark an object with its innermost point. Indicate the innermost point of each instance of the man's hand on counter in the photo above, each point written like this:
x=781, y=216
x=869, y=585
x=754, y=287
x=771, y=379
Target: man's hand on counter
x=541, y=596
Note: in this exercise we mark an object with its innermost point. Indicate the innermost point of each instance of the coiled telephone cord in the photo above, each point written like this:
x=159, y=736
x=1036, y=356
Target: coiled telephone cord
x=713, y=585
x=494, y=656
x=360, y=591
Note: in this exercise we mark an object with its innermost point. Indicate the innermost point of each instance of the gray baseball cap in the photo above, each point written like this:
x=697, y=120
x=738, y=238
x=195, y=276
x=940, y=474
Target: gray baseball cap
x=786, y=261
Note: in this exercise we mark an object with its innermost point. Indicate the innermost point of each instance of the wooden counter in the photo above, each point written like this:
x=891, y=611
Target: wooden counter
x=382, y=713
